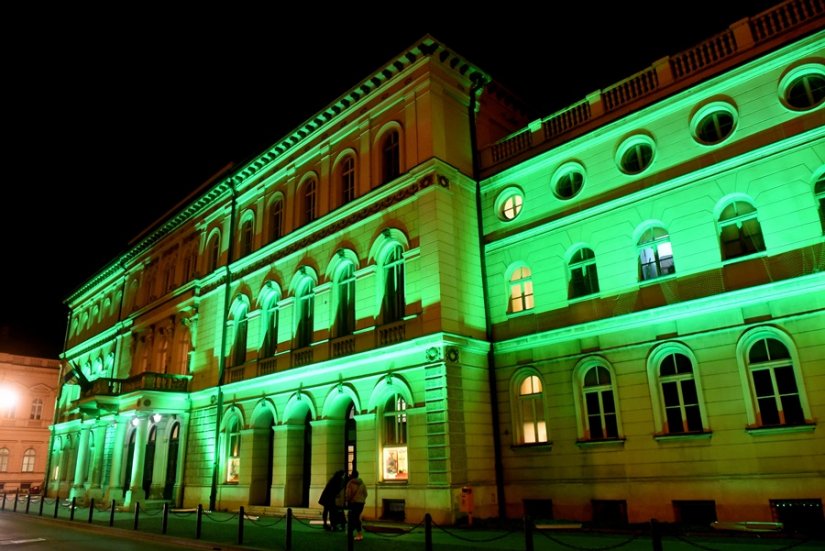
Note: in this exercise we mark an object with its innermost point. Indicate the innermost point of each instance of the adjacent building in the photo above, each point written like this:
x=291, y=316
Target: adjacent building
x=28, y=389
x=611, y=313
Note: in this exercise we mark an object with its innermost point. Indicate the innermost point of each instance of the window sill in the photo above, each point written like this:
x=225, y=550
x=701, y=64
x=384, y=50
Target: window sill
x=656, y=280
x=538, y=446
x=582, y=298
x=683, y=436
x=758, y=254
x=390, y=483
x=780, y=429
x=529, y=311
x=598, y=443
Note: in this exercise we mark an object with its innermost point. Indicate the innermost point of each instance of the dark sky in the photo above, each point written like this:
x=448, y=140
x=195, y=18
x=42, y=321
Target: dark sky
x=107, y=126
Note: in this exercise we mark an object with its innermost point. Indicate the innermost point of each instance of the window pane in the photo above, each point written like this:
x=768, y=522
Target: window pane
x=758, y=352
x=595, y=424
x=611, y=426
x=792, y=410
x=674, y=420
x=668, y=366
x=777, y=350
x=762, y=383
x=683, y=364
x=689, y=392
x=694, y=418
x=768, y=411
x=592, y=401
x=607, y=402
x=785, y=380
x=541, y=428
x=670, y=394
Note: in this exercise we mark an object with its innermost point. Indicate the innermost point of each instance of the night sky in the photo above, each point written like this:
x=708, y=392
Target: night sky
x=107, y=126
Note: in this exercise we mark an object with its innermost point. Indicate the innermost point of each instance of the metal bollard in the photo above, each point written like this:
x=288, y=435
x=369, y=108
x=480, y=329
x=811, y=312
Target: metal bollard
x=528, y=533
x=199, y=522
x=16, y=499
x=165, y=524
x=240, y=526
x=56, y=505
x=656, y=534
x=28, y=502
x=137, y=515
x=71, y=512
x=428, y=532
x=4, y=503
x=288, y=546
x=91, y=509
x=42, y=502
x=112, y=514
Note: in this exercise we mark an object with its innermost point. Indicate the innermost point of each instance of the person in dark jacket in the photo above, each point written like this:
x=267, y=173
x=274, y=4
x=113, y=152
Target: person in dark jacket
x=327, y=500
x=356, y=498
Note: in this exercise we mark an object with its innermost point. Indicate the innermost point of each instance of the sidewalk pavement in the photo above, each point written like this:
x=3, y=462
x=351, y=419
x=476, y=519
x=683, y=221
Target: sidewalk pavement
x=222, y=531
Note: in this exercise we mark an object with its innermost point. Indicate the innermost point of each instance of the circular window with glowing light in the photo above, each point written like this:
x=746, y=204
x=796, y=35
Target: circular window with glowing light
x=713, y=123
x=635, y=154
x=568, y=180
x=509, y=204
x=803, y=88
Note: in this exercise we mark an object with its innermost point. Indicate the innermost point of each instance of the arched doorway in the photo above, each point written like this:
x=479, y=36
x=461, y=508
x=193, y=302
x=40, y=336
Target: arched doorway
x=130, y=458
x=307, y=462
x=350, y=456
x=263, y=447
x=149, y=460
x=172, y=462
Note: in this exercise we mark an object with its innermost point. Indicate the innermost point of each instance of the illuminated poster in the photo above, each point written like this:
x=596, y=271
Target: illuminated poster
x=395, y=463
x=232, y=469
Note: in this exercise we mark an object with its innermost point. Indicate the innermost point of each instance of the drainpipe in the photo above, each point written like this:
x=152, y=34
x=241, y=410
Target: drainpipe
x=213, y=493
x=478, y=83
x=45, y=486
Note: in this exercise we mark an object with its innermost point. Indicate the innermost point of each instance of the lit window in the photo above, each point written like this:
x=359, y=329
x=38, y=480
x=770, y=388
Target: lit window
x=394, y=302
x=804, y=87
x=819, y=193
x=305, y=312
x=713, y=123
x=4, y=460
x=511, y=207
x=584, y=279
x=309, y=198
x=655, y=254
x=213, y=250
x=347, y=179
x=635, y=154
x=390, y=157
x=37, y=409
x=521, y=290
x=276, y=219
x=568, y=180
x=395, y=439
x=233, y=451
x=601, y=419
x=345, y=300
x=739, y=231
x=240, y=322
x=532, y=425
x=28, y=461
x=247, y=234
x=678, y=393
x=774, y=385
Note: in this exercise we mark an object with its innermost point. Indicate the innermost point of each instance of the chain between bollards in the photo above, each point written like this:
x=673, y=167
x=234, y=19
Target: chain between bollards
x=112, y=515
x=91, y=509
x=137, y=515
x=428, y=532
x=165, y=524
x=288, y=546
x=199, y=522
x=71, y=512
x=528, y=533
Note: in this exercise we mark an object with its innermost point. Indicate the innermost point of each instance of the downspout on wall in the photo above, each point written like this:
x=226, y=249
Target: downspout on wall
x=479, y=81
x=213, y=493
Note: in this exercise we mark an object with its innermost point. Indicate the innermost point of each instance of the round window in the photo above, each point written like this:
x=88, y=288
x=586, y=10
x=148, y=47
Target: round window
x=713, y=123
x=803, y=88
x=635, y=154
x=509, y=204
x=568, y=180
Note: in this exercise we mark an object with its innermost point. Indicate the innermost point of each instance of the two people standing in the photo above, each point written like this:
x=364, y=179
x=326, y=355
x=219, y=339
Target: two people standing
x=339, y=492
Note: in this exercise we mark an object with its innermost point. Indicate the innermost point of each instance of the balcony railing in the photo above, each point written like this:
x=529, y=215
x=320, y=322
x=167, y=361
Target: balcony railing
x=343, y=346
x=164, y=382
x=235, y=374
x=302, y=356
x=784, y=16
x=391, y=333
x=267, y=366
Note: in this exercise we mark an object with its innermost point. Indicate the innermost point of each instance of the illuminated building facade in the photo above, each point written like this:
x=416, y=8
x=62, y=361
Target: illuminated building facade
x=28, y=388
x=613, y=314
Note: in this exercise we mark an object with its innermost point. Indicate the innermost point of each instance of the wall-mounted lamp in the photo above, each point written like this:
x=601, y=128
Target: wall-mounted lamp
x=135, y=421
x=157, y=417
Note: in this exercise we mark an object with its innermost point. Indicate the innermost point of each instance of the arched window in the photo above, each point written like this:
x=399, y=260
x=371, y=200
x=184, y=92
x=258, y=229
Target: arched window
x=675, y=391
x=213, y=251
x=270, y=326
x=394, y=305
x=775, y=384
x=308, y=201
x=390, y=157
x=347, y=179
x=239, y=322
x=276, y=219
x=305, y=312
x=233, y=450
x=532, y=426
x=655, y=254
x=28, y=461
x=584, y=280
x=819, y=193
x=4, y=460
x=395, y=438
x=599, y=408
x=521, y=290
x=345, y=299
x=37, y=409
x=246, y=237
x=739, y=231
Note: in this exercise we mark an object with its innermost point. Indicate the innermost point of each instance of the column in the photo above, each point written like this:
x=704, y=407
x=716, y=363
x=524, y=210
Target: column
x=135, y=492
x=80, y=467
x=115, y=490
x=97, y=461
